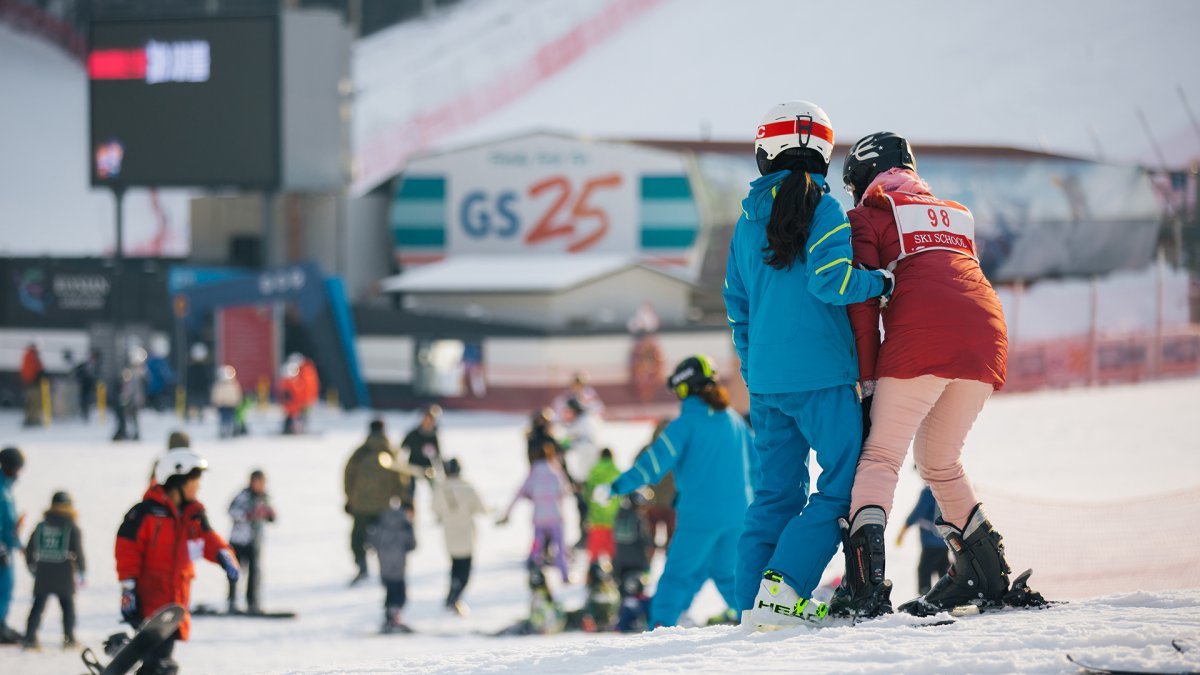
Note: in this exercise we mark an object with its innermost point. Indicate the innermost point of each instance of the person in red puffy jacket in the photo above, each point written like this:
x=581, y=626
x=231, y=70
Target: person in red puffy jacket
x=943, y=353
x=157, y=542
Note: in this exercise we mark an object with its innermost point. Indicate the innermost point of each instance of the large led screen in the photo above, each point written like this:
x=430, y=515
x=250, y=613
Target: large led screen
x=185, y=102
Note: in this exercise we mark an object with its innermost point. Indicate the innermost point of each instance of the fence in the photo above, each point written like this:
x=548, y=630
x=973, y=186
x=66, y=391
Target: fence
x=1081, y=550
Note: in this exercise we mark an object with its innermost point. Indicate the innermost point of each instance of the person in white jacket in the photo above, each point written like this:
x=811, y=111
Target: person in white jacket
x=456, y=503
x=226, y=397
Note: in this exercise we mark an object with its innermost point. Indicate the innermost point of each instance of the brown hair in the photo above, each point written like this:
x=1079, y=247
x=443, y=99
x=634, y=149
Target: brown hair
x=715, y=395
x=543, y=451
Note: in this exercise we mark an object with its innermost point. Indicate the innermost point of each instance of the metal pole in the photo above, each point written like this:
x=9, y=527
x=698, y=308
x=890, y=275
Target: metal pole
x=1094, y=332
x=269, y=252
x=118, y=360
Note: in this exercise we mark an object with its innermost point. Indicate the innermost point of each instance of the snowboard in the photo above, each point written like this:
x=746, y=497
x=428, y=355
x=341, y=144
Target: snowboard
x=153, y=632
x=1098, y=670
x=209, y=610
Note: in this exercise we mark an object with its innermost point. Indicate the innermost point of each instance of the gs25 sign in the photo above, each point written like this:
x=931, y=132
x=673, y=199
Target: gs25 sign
x=561, y=210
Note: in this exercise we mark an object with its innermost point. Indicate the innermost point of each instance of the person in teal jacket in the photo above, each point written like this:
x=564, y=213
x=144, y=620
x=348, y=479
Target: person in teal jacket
x=787, y=281
x=11, y=462
x=708, y=448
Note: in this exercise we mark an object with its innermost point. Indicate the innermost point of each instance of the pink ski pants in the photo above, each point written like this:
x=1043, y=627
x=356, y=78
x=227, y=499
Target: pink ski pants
x=934, y=414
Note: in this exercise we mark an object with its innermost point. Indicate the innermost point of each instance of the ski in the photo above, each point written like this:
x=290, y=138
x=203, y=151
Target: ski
x=1098, y=670
x=843, y=622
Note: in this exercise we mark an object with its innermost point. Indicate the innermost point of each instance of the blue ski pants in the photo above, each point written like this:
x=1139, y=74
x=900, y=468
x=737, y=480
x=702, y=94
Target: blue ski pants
x=786, y=530
x=697, y=554
x=6, y=586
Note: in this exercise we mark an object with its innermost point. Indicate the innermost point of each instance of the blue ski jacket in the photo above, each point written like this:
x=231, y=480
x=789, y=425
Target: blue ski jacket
x=8, y=517
x=790, y=326
x=711, y=454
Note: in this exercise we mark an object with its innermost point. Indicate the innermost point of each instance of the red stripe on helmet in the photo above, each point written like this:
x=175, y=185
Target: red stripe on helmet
x=788, y=127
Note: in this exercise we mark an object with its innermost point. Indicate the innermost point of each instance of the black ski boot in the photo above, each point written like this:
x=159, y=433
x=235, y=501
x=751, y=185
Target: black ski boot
x=979, y=575
x=864, y=592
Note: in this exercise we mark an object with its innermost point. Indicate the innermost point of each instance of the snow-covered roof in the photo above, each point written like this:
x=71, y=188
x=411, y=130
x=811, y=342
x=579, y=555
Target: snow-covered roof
x=512, y=274
x=1066, y=77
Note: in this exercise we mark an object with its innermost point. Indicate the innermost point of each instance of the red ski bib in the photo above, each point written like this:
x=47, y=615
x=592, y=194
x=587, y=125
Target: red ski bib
x=926, y=223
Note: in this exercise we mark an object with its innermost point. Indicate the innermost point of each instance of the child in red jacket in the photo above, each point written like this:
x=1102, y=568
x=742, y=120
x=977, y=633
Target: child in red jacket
x=157, y=542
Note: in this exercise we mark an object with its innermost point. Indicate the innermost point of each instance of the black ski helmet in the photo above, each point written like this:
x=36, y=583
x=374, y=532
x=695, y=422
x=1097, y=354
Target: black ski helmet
x=60, y=498
x=11, y=461
x=691, y=375
x=872, y=155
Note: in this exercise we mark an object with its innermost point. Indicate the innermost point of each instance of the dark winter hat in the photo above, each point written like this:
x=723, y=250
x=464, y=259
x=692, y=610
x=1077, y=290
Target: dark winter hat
x=376, y=426
x=257, y=474
x=178, y=439
x=11, y=461
x=60, y=498
x=599, y=572
x=452, y=467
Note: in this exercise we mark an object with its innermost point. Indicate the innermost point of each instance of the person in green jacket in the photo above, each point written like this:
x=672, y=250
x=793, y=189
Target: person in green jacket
x=602, y=507
x=374, y=474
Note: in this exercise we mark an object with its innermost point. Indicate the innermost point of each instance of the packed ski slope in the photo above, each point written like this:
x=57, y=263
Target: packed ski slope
x=1116, y=445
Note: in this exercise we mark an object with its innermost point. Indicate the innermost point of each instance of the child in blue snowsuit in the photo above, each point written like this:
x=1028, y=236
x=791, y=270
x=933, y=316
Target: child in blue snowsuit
x=708, y=448
x=788, y=279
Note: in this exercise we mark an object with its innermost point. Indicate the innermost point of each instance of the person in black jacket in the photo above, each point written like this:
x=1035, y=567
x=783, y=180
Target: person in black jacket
x=199, y=377
x=541, y=433
x=424, y=452
x=55, y=559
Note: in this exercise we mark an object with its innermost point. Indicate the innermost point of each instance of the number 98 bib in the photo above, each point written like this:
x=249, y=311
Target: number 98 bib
x=926, y=223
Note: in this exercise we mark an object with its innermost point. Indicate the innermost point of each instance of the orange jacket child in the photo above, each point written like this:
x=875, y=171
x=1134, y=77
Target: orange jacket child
x=162, y=535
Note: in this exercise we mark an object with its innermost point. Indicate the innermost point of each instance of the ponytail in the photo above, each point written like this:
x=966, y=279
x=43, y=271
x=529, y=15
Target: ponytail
x=796, y=199
x=715, y=395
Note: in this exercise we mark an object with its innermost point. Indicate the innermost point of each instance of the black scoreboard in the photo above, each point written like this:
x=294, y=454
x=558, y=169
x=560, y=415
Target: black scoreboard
x=185, y=102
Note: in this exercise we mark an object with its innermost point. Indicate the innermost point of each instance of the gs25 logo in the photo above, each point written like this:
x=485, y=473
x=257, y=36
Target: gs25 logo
x=569, y=214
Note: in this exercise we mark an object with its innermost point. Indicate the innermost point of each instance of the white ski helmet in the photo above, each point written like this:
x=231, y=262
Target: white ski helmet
x=794, y=128
x=177, y=462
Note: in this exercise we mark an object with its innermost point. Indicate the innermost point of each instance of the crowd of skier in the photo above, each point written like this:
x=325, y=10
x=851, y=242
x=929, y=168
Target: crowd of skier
x=807, y=288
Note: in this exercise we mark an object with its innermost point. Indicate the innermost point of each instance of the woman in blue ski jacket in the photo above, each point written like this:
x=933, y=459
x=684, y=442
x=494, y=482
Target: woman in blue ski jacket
x=708, y=448
x=787, y=281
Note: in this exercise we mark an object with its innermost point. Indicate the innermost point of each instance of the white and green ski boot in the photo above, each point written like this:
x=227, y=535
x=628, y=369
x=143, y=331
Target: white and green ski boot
x=779, y=606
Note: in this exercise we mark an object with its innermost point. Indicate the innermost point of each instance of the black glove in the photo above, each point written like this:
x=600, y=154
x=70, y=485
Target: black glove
x=866, y=413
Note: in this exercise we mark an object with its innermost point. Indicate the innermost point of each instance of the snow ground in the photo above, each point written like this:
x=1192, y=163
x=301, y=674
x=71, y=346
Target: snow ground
x=1041, y=461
